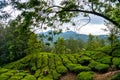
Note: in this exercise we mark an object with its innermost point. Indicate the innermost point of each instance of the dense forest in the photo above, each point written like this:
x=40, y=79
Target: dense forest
x=25, y=55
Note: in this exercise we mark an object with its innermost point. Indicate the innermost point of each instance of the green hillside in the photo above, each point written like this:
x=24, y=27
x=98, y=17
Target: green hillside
x=34, y=66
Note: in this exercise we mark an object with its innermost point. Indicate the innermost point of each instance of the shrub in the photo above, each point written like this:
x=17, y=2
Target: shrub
x=84, y=60
x=51, y=62
x=39, y=62
x=116, y=62
x=78, y=68
x=3, y=70
x=40, y=78
x=55, y=75
x=58, y=60
x=9, y=73
x=61, y=69
x=66, y=61
x=98, y=55
x=33, y=68
x=44, y=60
x=98, y=66
x=16, y=77
x=102, y=67
x=104, y=59
x=43, y=70
x=4, y=77
x=37, y=73
x=21, y=74
x=29, y=77
x=72, y=58
x=92, y=64
x=59, y=63
x=48, y=77
x=85, y=76
x=116, y=77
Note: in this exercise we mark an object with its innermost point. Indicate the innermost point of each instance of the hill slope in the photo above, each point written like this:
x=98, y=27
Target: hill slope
x=48, y=66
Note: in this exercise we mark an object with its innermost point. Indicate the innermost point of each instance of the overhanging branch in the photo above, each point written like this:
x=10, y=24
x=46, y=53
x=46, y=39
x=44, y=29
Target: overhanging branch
x=95, y=13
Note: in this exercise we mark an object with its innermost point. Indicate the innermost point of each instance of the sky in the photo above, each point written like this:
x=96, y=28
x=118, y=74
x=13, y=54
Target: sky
x=95, y=27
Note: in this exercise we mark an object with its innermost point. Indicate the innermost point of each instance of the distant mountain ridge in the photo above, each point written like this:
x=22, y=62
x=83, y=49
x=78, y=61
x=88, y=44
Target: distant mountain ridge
x=74, y=35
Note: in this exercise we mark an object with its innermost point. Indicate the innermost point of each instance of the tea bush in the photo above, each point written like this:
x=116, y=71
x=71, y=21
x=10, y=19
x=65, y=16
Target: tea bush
x=84, y=60
x=85, y=76
x=61, y=69
x=29, y=77
x=4, y=77
x=55, y=75
x=78, y=68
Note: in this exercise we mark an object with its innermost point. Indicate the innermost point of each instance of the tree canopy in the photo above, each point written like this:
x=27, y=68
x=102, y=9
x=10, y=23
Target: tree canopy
x=47, y=12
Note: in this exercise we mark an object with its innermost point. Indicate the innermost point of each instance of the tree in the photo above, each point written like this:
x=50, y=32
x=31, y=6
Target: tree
x=17, y=41
x=90, y=42
x=3, y=43
x=47, y=12
x=59, y=46
x=94, y=42
x=33, y=44
x=75, y=46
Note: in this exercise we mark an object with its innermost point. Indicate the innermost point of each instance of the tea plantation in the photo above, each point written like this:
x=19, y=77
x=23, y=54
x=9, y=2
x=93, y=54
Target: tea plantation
x=49, y=66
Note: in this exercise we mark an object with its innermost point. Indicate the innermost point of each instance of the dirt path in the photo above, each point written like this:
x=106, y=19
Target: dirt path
x=105, y=76
x=97, y=76
x=69, y=76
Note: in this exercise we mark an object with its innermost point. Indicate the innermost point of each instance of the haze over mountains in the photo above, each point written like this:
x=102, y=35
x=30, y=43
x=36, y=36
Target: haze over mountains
x=74, y=35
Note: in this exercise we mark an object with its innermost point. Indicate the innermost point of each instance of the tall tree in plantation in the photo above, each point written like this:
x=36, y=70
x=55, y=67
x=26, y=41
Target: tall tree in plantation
x=75, y=46
x=33, y=44
x=59, y=46
x=90, y=42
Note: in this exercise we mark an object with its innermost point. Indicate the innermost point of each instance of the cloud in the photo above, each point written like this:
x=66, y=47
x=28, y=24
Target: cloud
x=94, y=29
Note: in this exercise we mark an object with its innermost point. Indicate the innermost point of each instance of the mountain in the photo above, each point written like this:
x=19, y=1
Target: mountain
x=72, y=34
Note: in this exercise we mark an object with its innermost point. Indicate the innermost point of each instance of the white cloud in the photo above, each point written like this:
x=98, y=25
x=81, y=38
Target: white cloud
x=95, y=29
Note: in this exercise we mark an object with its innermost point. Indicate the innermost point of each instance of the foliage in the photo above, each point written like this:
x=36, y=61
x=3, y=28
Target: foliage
x=37, y=73
x=84, y=60
x=61, y=69
x=94, y=42
x=77, y=68
x=116, y=53
x=72, y=59
x=16, y=77
x=116, y=62
x=74, y=46
x=8, y=74
x=4, y=77
x=85, y=76
x=116, y=77
x=18, y=42
x=59, y=46
x=29, y=77
x=56, y=75
x=96, y=66
x=102, y=67
x=62, y=64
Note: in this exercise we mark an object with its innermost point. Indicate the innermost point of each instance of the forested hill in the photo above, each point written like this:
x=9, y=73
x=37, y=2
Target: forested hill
x=72, y=34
